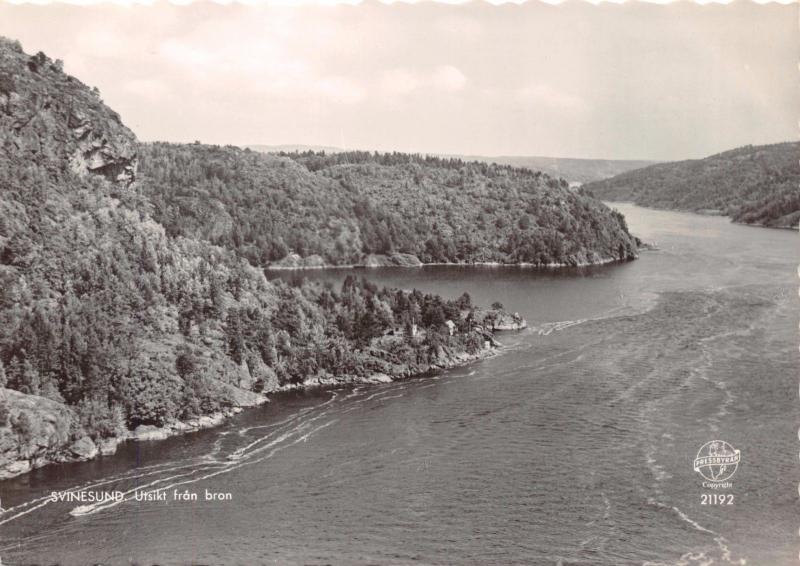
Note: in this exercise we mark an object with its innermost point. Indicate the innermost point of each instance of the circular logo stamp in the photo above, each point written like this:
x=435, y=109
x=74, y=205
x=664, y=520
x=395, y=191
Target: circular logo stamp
x=717, y=461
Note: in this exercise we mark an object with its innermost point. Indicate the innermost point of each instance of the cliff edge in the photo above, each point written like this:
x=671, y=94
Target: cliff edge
x=49, y=117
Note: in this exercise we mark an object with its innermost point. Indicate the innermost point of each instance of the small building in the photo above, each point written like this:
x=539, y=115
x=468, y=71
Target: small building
x=398, y=330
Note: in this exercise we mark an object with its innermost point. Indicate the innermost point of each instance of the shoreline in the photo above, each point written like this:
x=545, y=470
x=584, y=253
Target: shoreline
x=705, y=213
x=145, y=433
x=521, y=265
x=317, y=384
x=755, y=225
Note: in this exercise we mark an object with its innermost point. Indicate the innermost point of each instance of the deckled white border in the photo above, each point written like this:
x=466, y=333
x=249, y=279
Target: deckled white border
x=357, y=2
x=448, y=2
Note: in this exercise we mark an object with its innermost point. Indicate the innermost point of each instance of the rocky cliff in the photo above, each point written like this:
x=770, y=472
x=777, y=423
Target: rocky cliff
x=35, y=431
x=47, y=116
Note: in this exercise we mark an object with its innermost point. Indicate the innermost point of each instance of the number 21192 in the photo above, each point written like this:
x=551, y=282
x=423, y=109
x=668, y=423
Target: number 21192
x=716, y=499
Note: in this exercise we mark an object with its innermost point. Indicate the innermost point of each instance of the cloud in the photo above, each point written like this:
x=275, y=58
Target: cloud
x=553, y=98
x=403, y=81
x=460, y=26
x=399, y=81
x=150, y=89
x=339, y=89
x=266, y=67
x=101, y=42
x=185, y=55
x=448, y=78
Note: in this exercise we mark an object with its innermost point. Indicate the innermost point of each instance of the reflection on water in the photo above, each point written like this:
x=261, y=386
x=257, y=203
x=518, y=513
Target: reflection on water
x=573, y=447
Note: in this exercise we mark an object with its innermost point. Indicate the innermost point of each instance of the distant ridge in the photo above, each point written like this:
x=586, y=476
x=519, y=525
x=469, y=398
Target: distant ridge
x=757, y=185
x=290, y=148
x=572, y=169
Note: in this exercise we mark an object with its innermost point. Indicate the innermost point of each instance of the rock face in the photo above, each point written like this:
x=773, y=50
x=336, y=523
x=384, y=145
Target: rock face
x=35, y=431
x=263, y=377
x=84, y=448
x=495, y=320
x=150, y=432
x=295, y=261
x=108, y=446
x=48, y=116
x=392, y=260
x=508, y=321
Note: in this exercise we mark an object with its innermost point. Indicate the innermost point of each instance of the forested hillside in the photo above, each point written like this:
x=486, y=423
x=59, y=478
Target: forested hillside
x=312, y=209
x=753, y=184
x=110, y=321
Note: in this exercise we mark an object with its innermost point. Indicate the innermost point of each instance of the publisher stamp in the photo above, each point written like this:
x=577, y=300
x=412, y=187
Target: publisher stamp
x=717, y=461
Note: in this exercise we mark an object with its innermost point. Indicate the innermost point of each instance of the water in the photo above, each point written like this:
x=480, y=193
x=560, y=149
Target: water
x=574, y=446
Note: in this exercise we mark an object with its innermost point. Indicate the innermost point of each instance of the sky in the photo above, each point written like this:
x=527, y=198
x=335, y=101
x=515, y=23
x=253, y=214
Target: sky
x=629, y=81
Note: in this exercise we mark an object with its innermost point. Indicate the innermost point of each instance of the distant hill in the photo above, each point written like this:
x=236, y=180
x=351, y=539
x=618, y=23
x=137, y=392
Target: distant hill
x=288, y=148
x=573, y=170
x=757, y=185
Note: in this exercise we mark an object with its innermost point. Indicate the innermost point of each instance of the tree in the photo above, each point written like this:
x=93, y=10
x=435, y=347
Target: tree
x=233, y=330
x=5, y=412
x=433, y=315
x=185, y=363
x=30, y=382
x=150, y=396
x=288, y=316
x=265, y=343
x=474, y=343
x=24, y=426
x=464, y=301
x=368, y=326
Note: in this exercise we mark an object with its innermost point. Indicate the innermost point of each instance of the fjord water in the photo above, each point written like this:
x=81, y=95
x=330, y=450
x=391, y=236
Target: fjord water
x=574, y=446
